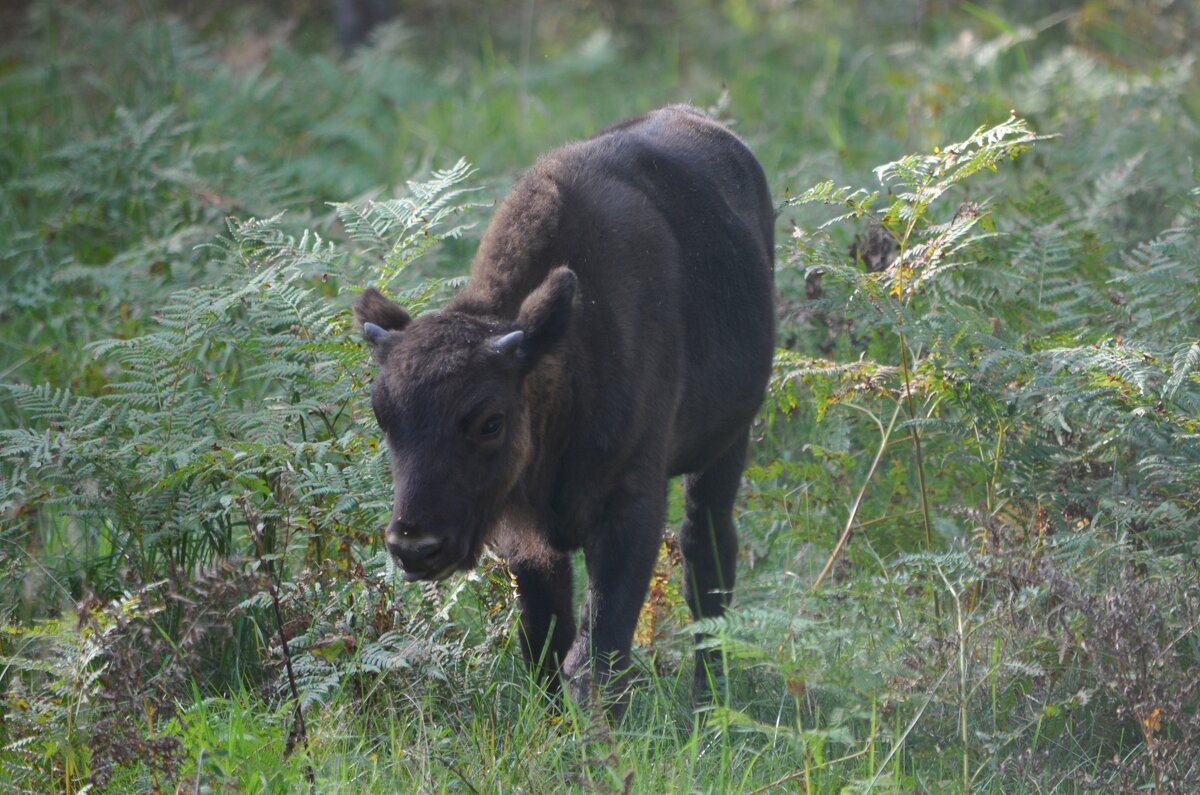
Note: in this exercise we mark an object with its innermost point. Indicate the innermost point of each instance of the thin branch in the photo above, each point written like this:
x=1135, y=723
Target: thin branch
x=803, y=773
x=450, y=766
x=908, y=730
x=837, y=550
x=916, y=437
x=299, y=733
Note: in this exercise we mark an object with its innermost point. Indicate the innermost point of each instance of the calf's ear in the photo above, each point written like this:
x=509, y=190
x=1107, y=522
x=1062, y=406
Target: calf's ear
x=378, y=316
x=545, y=314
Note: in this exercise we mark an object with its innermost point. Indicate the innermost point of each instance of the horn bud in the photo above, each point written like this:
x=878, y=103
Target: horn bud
x=508, y=343
x=373, y=333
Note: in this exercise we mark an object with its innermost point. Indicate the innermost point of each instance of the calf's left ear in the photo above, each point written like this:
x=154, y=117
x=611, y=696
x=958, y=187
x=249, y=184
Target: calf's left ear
x=545, y=313
x=372, y=308
x=378, y=316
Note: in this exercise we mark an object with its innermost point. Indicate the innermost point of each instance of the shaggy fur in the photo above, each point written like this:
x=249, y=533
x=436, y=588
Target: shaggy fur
x=637, y=267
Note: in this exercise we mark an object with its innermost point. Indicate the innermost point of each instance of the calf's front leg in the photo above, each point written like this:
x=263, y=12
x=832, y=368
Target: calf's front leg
x=547, y=624
x=620, y=557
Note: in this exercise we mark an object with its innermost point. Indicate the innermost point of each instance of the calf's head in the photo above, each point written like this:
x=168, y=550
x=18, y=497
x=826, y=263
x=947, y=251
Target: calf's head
x=451, y=401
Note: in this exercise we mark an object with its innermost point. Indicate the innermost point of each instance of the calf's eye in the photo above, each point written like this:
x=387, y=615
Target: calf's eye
x=492, y=426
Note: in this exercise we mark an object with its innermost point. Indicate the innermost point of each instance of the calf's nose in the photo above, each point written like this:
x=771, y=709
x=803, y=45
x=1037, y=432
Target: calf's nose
x=413, y=546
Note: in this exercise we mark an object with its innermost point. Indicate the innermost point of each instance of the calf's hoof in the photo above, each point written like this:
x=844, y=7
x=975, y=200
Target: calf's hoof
x=608, y=696
x=709, y=679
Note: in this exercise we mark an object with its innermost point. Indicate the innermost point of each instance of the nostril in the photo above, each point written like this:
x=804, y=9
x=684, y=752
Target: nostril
x=425, y=547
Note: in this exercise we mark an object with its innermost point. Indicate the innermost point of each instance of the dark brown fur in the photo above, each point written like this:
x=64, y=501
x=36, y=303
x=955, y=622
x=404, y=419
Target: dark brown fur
x=637, y=267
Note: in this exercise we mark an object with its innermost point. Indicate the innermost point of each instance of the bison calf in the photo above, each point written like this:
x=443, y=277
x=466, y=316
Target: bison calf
x=617, y=330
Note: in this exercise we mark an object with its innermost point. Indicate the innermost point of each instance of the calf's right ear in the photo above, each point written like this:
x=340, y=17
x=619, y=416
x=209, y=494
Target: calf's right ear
x=545, y=314
x=378, y=316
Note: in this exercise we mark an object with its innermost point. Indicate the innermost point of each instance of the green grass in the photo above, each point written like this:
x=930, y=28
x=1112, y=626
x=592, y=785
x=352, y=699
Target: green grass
x=184, y=428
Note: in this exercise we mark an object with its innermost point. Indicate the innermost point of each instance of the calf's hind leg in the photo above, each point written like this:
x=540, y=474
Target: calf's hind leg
x=708, y=542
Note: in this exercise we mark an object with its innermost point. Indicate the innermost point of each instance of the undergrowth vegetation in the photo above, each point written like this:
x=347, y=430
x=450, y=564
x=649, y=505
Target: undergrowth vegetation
x=969, y=531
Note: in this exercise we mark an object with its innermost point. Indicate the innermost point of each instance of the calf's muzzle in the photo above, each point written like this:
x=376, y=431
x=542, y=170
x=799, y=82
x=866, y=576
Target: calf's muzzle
x=423, y=554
